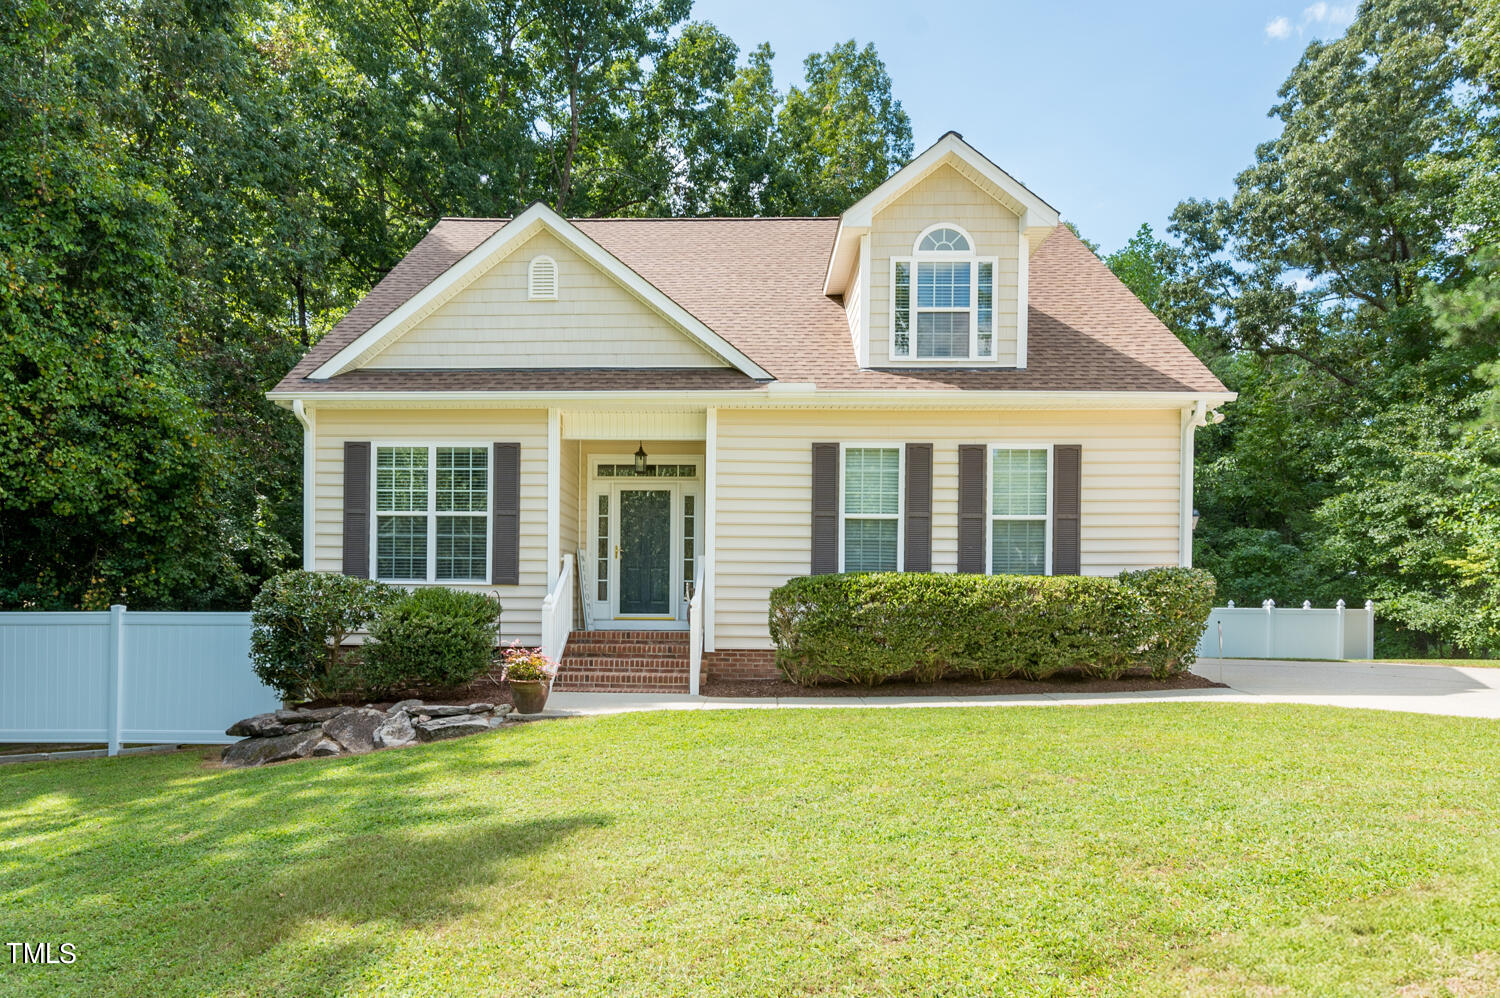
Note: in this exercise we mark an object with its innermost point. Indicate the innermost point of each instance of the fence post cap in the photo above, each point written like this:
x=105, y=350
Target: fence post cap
x=1231, y=604
x=1269, y=604
x=1339, y=604
x=117, y=608
x=1307, y=604
x=1369, y=604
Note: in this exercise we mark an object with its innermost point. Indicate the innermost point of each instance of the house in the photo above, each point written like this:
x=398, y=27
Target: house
x=631, y=430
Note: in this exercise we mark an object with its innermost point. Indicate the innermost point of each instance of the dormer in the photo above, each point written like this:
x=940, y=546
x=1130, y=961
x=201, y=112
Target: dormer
x=932, y=264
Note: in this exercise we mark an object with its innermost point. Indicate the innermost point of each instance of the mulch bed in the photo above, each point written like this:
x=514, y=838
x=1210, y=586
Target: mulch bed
x=1061, y=683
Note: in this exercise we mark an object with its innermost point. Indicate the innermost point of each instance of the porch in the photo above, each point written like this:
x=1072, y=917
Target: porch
x=628, y=507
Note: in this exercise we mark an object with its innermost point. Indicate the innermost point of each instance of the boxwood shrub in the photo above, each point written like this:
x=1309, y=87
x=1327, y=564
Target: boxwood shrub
x=869, y=628
x=433, y=638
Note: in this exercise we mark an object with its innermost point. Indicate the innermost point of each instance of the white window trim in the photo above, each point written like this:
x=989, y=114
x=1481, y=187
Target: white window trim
x=431, y=513
x=913, y=262
x=989, y=503
x=531, y=292
x=900, y=515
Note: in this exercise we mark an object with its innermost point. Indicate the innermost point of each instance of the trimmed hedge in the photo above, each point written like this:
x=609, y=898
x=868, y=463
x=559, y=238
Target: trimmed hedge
x=433, y=638
x=869, y=628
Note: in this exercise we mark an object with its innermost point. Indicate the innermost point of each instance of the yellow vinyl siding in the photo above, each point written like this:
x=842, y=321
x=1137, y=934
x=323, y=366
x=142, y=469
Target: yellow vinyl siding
x=594, y=322
x=945, y=196
x=1130, y=485
x=521, y=618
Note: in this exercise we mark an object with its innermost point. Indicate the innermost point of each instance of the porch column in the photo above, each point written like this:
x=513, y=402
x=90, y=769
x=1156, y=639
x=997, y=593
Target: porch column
x=309, y=481
x=1192, y=418
x=710, y=521
x=554, y=496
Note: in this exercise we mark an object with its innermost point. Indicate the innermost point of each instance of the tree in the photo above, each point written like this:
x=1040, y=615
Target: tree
x=841, y=135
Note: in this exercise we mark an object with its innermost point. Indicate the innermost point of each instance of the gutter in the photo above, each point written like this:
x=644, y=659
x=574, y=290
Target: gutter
x=309, y=472
x=774, y=395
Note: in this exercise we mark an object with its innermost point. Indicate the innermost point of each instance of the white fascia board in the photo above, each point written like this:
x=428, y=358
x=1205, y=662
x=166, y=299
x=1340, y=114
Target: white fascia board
x=843, y=258
x=771, y=396
x=487, y=253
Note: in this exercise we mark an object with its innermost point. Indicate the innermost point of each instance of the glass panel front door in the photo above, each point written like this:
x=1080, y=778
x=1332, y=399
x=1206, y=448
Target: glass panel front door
x=646, y=551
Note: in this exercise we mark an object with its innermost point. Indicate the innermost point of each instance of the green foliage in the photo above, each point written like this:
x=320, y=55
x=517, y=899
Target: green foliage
x=300, y=622
x=868, y=628
x=433, y=638
x=1345, y=292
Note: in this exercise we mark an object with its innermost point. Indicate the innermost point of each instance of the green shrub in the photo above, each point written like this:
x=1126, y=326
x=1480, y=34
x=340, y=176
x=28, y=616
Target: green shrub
x=432, y=639
x=300, y=621
x=869, y=628
x=1177, y=604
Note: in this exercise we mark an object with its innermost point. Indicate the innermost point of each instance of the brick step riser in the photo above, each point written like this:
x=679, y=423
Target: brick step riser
x=624, y=688
x=617, y=662
x=642, y=649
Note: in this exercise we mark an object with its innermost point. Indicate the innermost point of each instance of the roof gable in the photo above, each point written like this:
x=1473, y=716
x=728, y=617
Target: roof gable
x=352, y=352
x=1037, y=217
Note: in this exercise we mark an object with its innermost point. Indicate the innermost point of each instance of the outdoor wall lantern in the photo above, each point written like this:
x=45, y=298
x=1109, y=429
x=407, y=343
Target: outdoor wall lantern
x=1195, y=508
x=640, y=460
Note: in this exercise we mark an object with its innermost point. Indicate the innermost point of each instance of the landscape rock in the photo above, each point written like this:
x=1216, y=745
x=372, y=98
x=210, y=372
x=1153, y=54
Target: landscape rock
x=305, y=715
x=442, y=710
x=394, y=731
x=327, y=746
x=259, y=726
x=355, y=728
x=440, y=728
x=259, y=751
x=406, y=705
x=484, y=708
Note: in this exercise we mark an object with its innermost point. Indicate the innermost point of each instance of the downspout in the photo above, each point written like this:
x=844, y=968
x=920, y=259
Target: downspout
x=1191, y=420
x=309, y=478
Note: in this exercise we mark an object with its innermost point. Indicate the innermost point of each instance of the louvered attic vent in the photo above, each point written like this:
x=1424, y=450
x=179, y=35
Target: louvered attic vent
x=542, y=278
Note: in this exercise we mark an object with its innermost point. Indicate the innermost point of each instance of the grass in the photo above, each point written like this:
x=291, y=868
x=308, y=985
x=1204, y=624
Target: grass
x=1471, y=663
x=1203, y=849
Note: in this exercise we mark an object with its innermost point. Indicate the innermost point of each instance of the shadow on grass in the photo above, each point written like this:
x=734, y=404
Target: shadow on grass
x=291, y=877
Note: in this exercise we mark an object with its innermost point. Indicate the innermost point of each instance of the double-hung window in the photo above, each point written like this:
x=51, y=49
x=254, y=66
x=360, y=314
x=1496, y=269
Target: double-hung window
x=432, y=513
x=1019, y=499
x=871, y=509
x=943, y=299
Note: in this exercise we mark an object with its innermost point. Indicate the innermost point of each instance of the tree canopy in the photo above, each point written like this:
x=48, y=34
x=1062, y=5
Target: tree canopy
x=192, y=193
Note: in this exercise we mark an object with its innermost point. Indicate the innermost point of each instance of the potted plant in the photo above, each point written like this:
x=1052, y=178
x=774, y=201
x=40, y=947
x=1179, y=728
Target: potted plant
x=530, y=675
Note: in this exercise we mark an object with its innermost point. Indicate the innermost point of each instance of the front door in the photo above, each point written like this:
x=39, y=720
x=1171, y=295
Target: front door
x=646, y=552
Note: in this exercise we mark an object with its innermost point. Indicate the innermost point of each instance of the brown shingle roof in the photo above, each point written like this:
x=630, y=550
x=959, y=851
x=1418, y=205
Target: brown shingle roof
x=759, y=284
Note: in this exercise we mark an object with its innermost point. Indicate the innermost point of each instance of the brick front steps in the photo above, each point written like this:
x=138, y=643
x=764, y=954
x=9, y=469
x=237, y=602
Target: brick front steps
x=624, y=662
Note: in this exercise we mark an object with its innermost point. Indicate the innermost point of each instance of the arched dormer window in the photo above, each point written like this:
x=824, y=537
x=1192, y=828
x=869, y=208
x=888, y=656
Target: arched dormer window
x=950, y=313
x=541, y=278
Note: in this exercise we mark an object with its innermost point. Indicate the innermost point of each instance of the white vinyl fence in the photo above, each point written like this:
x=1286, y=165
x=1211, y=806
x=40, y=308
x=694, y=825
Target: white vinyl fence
x=1269, y=631
x=115, y=677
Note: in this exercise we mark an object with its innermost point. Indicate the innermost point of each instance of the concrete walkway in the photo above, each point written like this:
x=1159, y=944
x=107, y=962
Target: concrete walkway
x=1423, y=689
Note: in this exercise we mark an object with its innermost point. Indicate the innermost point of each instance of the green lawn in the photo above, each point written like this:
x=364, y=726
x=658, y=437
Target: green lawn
x=1471, y=663
x=1164, y=850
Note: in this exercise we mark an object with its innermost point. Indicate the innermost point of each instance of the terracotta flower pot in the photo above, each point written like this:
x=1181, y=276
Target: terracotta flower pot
x=528, y=695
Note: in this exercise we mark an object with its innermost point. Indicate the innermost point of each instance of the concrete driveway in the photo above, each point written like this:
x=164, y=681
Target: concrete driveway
x=1424, y=689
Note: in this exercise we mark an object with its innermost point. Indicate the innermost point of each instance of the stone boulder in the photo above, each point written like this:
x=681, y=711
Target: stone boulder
x=355, y=728
x=440, y=728
x=302, y=715
x=259, y=726
x=277, y=748
x=395, y=731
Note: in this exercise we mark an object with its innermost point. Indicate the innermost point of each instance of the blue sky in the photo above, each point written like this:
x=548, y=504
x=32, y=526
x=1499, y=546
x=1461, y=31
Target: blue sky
x=1111, y=111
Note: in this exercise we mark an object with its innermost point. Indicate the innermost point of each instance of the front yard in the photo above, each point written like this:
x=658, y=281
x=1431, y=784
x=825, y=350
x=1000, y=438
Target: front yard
x=1165, y=849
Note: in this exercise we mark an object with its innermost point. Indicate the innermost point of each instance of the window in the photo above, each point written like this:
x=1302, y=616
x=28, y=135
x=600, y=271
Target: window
x=872, y=509
x=952, y=308
x=1019, y=493
x=601, y=550
x=689, y=549
x=541, y=278
x=432, y=514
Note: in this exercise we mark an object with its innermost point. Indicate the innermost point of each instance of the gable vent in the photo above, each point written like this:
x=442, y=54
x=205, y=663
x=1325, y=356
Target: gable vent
x=542, y=278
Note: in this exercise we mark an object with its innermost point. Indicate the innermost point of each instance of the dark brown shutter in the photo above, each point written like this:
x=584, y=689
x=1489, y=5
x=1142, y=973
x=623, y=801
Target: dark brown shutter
x=505, y=544
x=971, y=508
x=825, y=508
x=356, y=508
x=919, y=507
x=1067, y=477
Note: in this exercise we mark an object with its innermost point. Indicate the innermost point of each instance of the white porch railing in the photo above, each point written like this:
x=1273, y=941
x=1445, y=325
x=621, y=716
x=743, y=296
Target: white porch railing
x=1269, y=631
x=557, y=613
x=695, y=628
